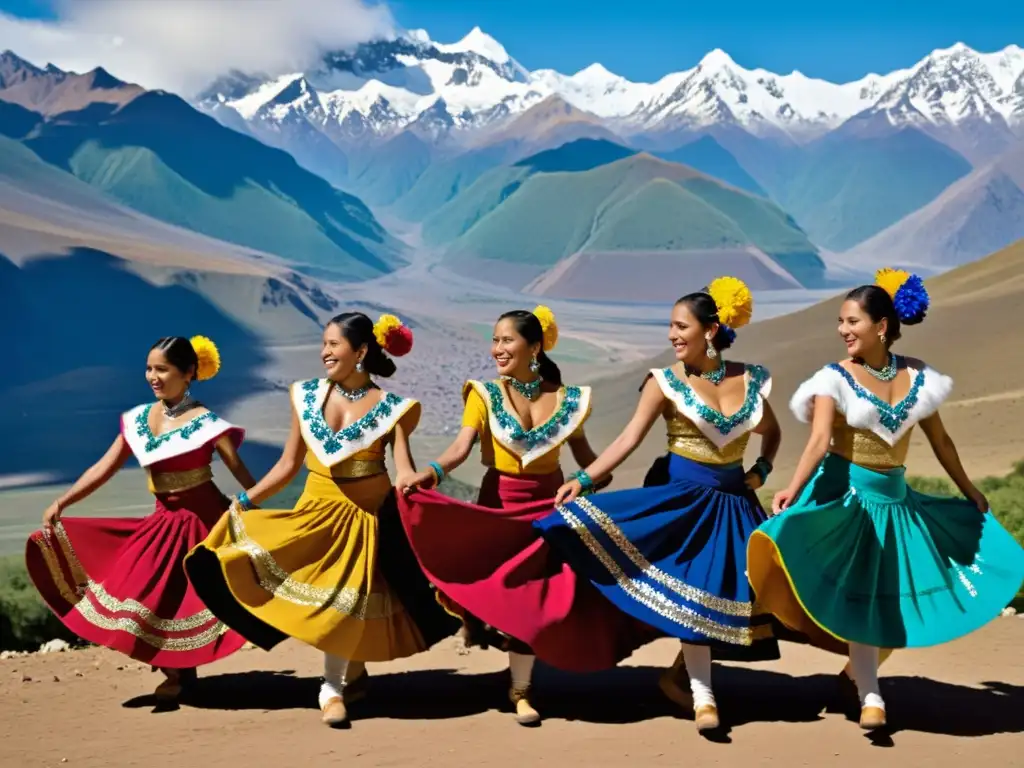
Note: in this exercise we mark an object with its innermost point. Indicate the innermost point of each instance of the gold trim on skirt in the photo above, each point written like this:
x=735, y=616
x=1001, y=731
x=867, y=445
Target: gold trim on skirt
x=311, y=572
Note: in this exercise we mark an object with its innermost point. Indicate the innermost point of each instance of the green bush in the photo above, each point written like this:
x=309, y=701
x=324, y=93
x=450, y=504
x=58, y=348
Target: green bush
x=25, y=621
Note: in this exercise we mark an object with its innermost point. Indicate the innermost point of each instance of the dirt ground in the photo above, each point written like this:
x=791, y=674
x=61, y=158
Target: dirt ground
x=954, y=705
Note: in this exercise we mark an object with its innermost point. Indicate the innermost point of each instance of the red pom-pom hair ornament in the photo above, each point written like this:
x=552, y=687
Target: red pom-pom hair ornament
x=394, y=337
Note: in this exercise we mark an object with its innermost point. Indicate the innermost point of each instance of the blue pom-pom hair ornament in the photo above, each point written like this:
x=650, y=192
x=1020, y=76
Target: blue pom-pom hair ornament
x=907, y=291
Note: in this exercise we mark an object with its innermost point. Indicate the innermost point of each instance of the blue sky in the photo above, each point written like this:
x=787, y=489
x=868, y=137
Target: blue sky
x=836, y=40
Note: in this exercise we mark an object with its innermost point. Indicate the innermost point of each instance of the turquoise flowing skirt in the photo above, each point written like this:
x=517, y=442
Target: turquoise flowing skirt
x=864, y=558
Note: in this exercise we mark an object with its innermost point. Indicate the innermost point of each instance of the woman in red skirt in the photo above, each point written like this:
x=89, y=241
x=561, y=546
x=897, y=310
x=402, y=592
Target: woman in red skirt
x=488, y=563
x=119, y=582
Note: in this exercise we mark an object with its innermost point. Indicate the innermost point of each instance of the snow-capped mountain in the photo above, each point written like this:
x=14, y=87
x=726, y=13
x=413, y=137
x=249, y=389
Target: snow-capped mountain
x=974, y=102
x=385, y=86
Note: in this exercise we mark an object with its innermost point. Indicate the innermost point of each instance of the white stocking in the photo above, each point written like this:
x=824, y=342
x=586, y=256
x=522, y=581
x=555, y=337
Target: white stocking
x=698, y=666
x=521, y=667
x=864, y=665
x=335, y=668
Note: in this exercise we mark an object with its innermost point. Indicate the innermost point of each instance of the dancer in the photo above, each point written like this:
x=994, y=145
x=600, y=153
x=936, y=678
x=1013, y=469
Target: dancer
x=492, y=569
x=316, y=572
x=119, y=582
x=672, y=553
x=856, y=555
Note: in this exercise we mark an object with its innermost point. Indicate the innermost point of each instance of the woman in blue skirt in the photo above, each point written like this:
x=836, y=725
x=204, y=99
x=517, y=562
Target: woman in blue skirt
x=856, y=555
x=673, y=553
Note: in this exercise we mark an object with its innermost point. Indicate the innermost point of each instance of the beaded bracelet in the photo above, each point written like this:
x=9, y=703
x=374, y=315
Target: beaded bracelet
x=762, y=468
x=586, y=483
x=243, y=501
x=438, y=471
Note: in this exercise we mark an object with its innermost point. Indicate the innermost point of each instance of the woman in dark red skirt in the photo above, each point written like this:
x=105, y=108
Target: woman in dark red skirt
x=119, y=582
x=488, y=563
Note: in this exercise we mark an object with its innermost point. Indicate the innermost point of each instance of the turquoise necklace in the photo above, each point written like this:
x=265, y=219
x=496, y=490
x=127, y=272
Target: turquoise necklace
x=715, y=375
x=528, y=389
x=886, y=373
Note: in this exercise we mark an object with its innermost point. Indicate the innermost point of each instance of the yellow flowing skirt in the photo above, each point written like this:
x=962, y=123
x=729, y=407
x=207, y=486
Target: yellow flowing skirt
x=310, y=573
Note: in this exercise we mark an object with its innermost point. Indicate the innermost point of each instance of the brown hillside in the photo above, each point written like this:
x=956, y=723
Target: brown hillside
x=970, y=334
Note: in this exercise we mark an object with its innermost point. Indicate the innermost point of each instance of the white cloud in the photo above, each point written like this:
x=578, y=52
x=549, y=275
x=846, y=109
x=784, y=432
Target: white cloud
x=181, y=45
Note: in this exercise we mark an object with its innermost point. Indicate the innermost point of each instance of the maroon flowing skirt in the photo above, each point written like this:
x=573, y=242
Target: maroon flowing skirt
x=119, y=582
x=488, y=559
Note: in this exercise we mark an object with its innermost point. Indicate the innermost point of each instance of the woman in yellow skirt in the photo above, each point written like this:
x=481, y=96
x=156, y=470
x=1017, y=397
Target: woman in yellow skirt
x=315, y=572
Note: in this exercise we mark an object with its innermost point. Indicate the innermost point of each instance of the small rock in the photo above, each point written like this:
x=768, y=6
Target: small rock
x=1011, y=611
x=26, y=679
x=120, y=667
x=56, y=679
x=78, y=673
x=5, y=654
x=54, y=646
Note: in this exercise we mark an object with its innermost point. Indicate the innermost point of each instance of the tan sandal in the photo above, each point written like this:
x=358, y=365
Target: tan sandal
x=706, y=718
x=525, y=713
x=872, y=718
x=333, y=712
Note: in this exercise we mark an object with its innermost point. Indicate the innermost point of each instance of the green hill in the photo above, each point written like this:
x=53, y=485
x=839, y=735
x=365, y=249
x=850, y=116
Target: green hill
x=637, y=203
x=494, y=186
x=160, y=156
x=444, y=181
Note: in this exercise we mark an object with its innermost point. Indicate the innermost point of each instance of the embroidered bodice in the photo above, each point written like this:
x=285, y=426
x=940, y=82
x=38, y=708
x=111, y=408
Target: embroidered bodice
x=867, y=430
x=698, y=432
x=358, y=449
x=505, y=445
x=189, y=446
x=178, y=459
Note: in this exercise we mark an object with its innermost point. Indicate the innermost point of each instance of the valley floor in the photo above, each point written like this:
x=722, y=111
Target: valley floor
x=954, y=705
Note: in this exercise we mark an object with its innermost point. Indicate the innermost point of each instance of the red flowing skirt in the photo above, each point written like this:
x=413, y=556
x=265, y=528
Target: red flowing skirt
x=489, y=560
x=120, y=583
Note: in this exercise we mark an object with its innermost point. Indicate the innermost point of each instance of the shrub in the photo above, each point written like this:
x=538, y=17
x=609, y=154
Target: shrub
x=25, y=620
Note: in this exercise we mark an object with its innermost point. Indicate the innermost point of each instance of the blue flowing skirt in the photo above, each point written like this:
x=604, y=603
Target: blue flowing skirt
x=865, y=558
x=673, y=554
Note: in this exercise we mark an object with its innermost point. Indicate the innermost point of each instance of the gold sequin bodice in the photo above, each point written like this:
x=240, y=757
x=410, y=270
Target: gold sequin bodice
x=686, y=440
x=866, y=449
x=365, y=463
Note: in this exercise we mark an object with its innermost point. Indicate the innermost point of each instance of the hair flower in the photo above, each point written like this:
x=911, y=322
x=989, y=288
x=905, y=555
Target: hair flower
x=734, y=301
x=908, y=293
x=208, y=356
x=394, y=337
x=548, y=325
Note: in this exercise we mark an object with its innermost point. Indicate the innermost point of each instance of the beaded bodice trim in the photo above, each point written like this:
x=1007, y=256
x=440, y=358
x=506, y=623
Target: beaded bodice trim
x=864, y=410
x=330, y=447
x=718, y=428
x=529, y=445
x=149, y=448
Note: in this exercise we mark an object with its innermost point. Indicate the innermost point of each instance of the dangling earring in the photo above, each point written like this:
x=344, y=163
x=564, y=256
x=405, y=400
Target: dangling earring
x=881, y=338
x=359, y=367
x=712, y=352
x=534, y=366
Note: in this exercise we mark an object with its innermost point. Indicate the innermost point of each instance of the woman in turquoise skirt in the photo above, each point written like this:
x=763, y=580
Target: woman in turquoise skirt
x=854, y=554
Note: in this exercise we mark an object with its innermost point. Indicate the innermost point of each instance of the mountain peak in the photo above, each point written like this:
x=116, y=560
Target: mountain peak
x=956, y=49
x=717, y=59
x=104, y=80
x=478, y=41
x=596, y=73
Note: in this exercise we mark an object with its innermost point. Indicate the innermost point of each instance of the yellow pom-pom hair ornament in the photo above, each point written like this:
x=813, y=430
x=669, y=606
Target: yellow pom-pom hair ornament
x=548, y=326
x=908, y=293
x=733, y=299
x=394, y=337
x=208, y=356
